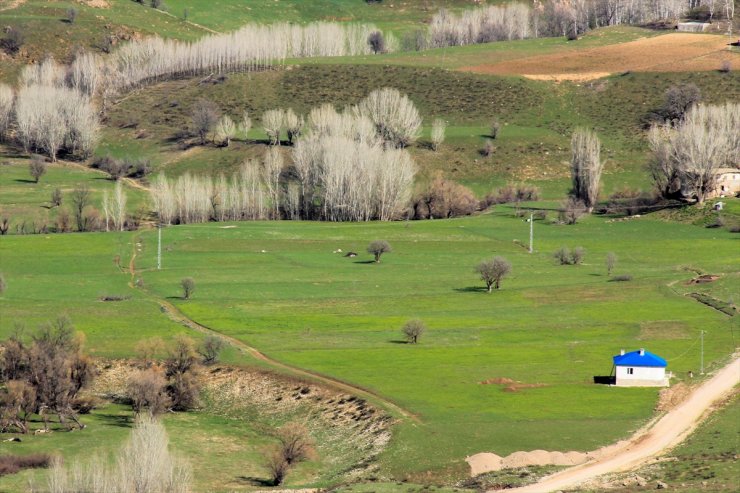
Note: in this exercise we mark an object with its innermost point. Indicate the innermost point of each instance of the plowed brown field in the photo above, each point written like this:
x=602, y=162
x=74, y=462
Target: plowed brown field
x=674, y=52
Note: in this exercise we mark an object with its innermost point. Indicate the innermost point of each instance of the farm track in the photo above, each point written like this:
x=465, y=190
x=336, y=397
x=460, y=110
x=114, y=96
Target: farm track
x=655, y=439
x=177, y=316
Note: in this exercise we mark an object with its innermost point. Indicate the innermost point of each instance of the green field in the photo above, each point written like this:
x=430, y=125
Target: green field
x=550, y=324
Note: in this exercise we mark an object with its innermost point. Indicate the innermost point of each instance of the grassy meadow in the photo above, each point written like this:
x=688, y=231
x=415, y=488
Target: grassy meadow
x=551, y=325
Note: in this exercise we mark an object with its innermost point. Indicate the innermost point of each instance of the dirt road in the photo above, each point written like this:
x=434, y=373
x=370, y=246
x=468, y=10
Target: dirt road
x=664, y=434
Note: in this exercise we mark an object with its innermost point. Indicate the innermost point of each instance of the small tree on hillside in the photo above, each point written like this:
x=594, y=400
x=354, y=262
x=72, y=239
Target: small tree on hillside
x=224, y=132
x=246, y=124
x=412, y=330
x=188, y=287
x=180, y=367
x=204, y=116
x=376, y=42
x=56, y=197
x=493, y=271
x=611, y=262
x=495, y=128
x=679, y=99
x=211, y=348
x=80, y=199
x=586, y=166
x=272, y=122
x=378, y=248
x=148, y=391
x=37, y=167
x=438, y=133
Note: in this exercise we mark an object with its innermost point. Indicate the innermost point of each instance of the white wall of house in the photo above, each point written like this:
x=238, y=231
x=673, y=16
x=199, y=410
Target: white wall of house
x=641, y=375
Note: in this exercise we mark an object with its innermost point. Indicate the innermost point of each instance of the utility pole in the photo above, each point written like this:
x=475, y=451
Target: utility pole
x=159, y=246
x=702, y=353
x=531, y=231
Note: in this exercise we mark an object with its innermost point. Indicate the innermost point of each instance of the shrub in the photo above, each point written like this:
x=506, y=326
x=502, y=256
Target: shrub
x=276, y=466
x=576, y=256
x=204, y=116
x=71, y=15
x=488, y=148
x=378, y=248
x=562, y=255
x=494, y=128
x=14, y=39
x=725, y=67
x=3, y=285
x=621, y=278
x=11, y=464
x=679, y=99
x=148, y=391
x=413, y=330
x=188, y=287
x=571, y=210
x=443, y=199
x=295, y=442
x=438, y=133
x=611, y=262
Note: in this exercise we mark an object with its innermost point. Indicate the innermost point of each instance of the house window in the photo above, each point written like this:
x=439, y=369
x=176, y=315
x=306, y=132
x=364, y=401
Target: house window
x=630, y=371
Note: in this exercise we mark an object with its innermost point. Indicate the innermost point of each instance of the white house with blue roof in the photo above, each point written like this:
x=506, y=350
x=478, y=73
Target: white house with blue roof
x=640, y=369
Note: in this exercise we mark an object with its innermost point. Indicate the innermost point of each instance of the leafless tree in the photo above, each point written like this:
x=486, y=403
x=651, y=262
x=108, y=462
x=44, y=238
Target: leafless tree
x=224, y=132
x=611, y=262
x=80, y=198
x=438, y=133
x=376, y=42
x=114, y=207
x=147, y=349
x=180, y=366
x=210, y=349
x=378, y=248
x=56, y=197
x=188, y=287
x=272, y=169
x=276, y=466
x=293, y=125
x=679, y=99
x=571, y=210
x=6, y=108
x=394, y=115
x=148, y=391
x=494, y=129
x=586, y=166
x=246, y=124
x=273, y=121
x=493, y=271
x=295, y=442
x=37, y=167
x=204, y=116
x=686, y=157
x=413, y=330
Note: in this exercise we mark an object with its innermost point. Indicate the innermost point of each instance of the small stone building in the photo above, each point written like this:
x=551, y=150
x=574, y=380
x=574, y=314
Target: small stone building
x=640, y=369
x=728, y=182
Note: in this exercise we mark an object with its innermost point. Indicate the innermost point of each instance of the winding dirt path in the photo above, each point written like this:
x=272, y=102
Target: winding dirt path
x=177, y=316
x=664, y=433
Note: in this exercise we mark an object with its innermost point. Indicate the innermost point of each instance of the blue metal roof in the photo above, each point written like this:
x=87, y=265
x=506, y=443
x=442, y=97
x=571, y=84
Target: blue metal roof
x=634, y=358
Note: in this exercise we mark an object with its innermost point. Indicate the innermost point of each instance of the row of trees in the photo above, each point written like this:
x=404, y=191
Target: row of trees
x=554, y=18
x=688, y=153
x=253, y=47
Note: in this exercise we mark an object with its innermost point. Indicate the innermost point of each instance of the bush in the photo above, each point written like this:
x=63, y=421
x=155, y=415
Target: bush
x=71, y=15
x=679, y=99
x=148, y=391
x=495, y=128
x=37, y=167
x=621, y=278
x=14, y=39
x=571, y=210
x=11, y=464
x=565, y=256
x=211, y=348
x=56, y=197
x=488, y=148
x=493, y=271
x=412, y=330
x=725, y=67
x=512, y=193
x=443, y=199
x=376, y=42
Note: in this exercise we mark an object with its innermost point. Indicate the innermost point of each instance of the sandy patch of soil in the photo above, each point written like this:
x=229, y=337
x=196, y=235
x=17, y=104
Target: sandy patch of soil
x=488, y=462
x=703, y=279
x=672, y=397
x=10, y=4
x=674, y=52
x=511, y=385
x=96, y=4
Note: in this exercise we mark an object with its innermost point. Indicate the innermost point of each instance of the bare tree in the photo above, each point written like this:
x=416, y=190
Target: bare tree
x=188, y=287
x=3, y=284
x=204, y=115
x=495, y=128
x=273, y=122
x=272, y=169
x=180, y=366
x=293, y=125
x=246, y=124
x=37, y=167
x=493, y=271
x=276, y=466
x=147, y=349
x=679, y=99
x=148, y=391
x=378, y=248
x=438, y=133
x=6, y=108
x=413, y=330
x=295, y=442
x=71, y=15
x=211, y=348
x=586, y=166
x=56, y=197
x=394, y=115
x=611, y=262
x=686, y=156
x=225, y=130
x=80, y=198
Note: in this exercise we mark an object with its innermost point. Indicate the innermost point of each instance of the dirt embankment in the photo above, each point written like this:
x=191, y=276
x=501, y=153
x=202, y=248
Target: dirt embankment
x=674, y=52
x=232, y=391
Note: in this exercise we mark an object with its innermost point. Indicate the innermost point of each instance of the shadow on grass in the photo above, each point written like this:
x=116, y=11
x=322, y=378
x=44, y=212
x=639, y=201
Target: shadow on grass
x=605, y=379
x=365, y=262
x=23, y=180
x=118, y=420
x=181, y=298
x=472, y=289
x=398, y=341
x=256, y=481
